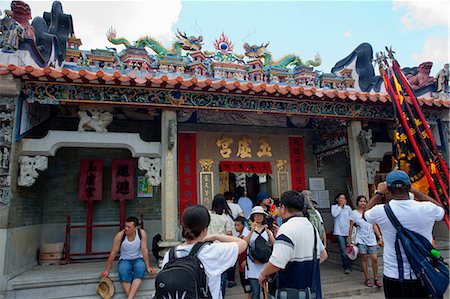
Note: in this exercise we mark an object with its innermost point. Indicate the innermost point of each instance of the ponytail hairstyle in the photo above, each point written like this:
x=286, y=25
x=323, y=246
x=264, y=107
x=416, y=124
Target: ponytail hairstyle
x=194, y=220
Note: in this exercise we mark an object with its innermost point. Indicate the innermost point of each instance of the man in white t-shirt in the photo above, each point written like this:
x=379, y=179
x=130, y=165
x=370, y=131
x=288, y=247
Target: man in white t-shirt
x=416, y=215
x=292, y=255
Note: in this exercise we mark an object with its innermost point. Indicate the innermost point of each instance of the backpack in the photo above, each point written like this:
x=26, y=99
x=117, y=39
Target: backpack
x=424, y=259
x=183, y=277
x=314, y=218
x=261, y=250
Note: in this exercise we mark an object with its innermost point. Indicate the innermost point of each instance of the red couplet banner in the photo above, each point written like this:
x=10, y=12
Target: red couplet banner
x=187, y=170
x=297, y=163
x=122, y=181
x=90, y=180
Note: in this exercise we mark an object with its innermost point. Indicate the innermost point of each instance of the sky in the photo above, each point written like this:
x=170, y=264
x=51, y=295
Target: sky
x=418, y=31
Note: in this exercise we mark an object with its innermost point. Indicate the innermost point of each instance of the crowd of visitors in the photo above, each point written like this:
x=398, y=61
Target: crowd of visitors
x=277, y=245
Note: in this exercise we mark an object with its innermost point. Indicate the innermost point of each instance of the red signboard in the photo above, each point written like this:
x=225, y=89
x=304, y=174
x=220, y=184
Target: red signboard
x=249, y=167
x=187, y=170
x=90, y=183
x=122, y=183
x=297, y=163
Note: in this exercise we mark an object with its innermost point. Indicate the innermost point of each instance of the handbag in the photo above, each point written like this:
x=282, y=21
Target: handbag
x=306, y=293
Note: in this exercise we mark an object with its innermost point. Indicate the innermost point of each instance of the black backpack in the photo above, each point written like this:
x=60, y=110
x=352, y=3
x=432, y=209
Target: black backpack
x=424, y=259
x=183, y=277
x=261, y=250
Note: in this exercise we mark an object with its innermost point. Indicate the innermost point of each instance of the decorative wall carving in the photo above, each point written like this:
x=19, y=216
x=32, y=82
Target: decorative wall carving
x=28, y=167
x=54, y=93
x=365, y=141
x=206, y=164
x=282, y=165
x=371, y=168
x=172, y=133
x=94, y=119
x=6, y=131
x=152, y=168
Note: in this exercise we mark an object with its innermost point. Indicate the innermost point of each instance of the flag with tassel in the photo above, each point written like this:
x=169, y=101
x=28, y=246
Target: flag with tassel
x=414, y=148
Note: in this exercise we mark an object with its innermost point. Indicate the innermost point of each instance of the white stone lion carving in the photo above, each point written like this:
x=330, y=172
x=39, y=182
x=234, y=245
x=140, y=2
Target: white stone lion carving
x=96, y=120
x=28, y=167
x=153, y=169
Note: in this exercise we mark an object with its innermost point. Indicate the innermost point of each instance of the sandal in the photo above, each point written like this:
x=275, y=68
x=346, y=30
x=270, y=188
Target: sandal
x=368, y=283
x=378, y=283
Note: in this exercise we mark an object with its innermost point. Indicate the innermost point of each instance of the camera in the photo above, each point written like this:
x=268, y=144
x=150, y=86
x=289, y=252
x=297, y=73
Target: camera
x=268, y=221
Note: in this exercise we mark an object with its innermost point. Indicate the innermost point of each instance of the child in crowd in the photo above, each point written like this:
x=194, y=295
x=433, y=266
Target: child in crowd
x=239, y=224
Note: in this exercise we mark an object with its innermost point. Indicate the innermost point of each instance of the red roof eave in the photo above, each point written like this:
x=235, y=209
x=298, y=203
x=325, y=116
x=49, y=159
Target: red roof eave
x=29, y=73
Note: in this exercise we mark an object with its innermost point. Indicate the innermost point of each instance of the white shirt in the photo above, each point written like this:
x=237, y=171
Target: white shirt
x=342, y=218
x=215, y=257
x=253, y=270
x=364, y=230
x=416, y=216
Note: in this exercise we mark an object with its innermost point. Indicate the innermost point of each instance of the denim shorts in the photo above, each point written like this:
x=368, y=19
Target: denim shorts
x=129, y=270
x=366, y=249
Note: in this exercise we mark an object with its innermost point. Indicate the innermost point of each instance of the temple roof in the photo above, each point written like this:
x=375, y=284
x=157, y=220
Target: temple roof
x=209, y=85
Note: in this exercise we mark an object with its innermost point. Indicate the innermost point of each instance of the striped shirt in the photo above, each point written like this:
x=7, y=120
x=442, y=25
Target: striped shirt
x=293, y=253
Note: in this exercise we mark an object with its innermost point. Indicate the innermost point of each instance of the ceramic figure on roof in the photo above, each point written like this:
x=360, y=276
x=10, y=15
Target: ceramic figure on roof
x=11, y=33
x=442, y=79
x=21, y=12
x=422, y=78
x=261, y=51
x=191, y=43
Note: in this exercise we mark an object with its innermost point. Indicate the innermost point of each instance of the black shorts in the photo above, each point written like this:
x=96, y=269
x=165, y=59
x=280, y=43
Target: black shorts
x=245, y=283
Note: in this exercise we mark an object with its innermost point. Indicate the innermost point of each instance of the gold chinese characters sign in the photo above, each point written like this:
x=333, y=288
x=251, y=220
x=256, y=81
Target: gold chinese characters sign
x=283, y=176
x=244, y=149
x=206, y=182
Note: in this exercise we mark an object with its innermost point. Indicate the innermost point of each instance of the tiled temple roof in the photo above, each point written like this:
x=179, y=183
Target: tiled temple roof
x=64, y=75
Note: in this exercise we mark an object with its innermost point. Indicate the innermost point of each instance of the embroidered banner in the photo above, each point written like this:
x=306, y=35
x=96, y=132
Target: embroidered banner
x=248, y=167
x=297, y=163
x=187, y=171
x=122, y=183
x=90, y=183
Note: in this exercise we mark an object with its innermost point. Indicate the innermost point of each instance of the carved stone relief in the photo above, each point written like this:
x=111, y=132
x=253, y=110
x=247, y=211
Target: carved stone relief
x=28, y=167
x=365, y=141
x=153, y=169
x=6, y=130
x=94, y=119
x=372, y=167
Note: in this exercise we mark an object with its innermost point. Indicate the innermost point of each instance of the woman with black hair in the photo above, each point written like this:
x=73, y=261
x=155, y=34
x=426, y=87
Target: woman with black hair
x=221, y=223
x=216, y=257
x=366, y=240
x=221, y=217
x=341, y=210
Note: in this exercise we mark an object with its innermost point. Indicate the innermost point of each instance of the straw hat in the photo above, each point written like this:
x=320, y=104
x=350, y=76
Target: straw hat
x=352, y=252
x=105, y=288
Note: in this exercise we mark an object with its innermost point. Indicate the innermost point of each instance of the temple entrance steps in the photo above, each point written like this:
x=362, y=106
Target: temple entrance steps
x=80, y=280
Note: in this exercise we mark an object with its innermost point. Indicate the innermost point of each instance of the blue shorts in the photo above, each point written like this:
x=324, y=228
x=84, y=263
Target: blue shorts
x=366, y=249
x=129, y=270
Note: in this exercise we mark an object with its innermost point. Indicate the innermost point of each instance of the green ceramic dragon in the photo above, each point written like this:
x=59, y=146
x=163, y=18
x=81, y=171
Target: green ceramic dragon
x=255, y=51
x=184, y=42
